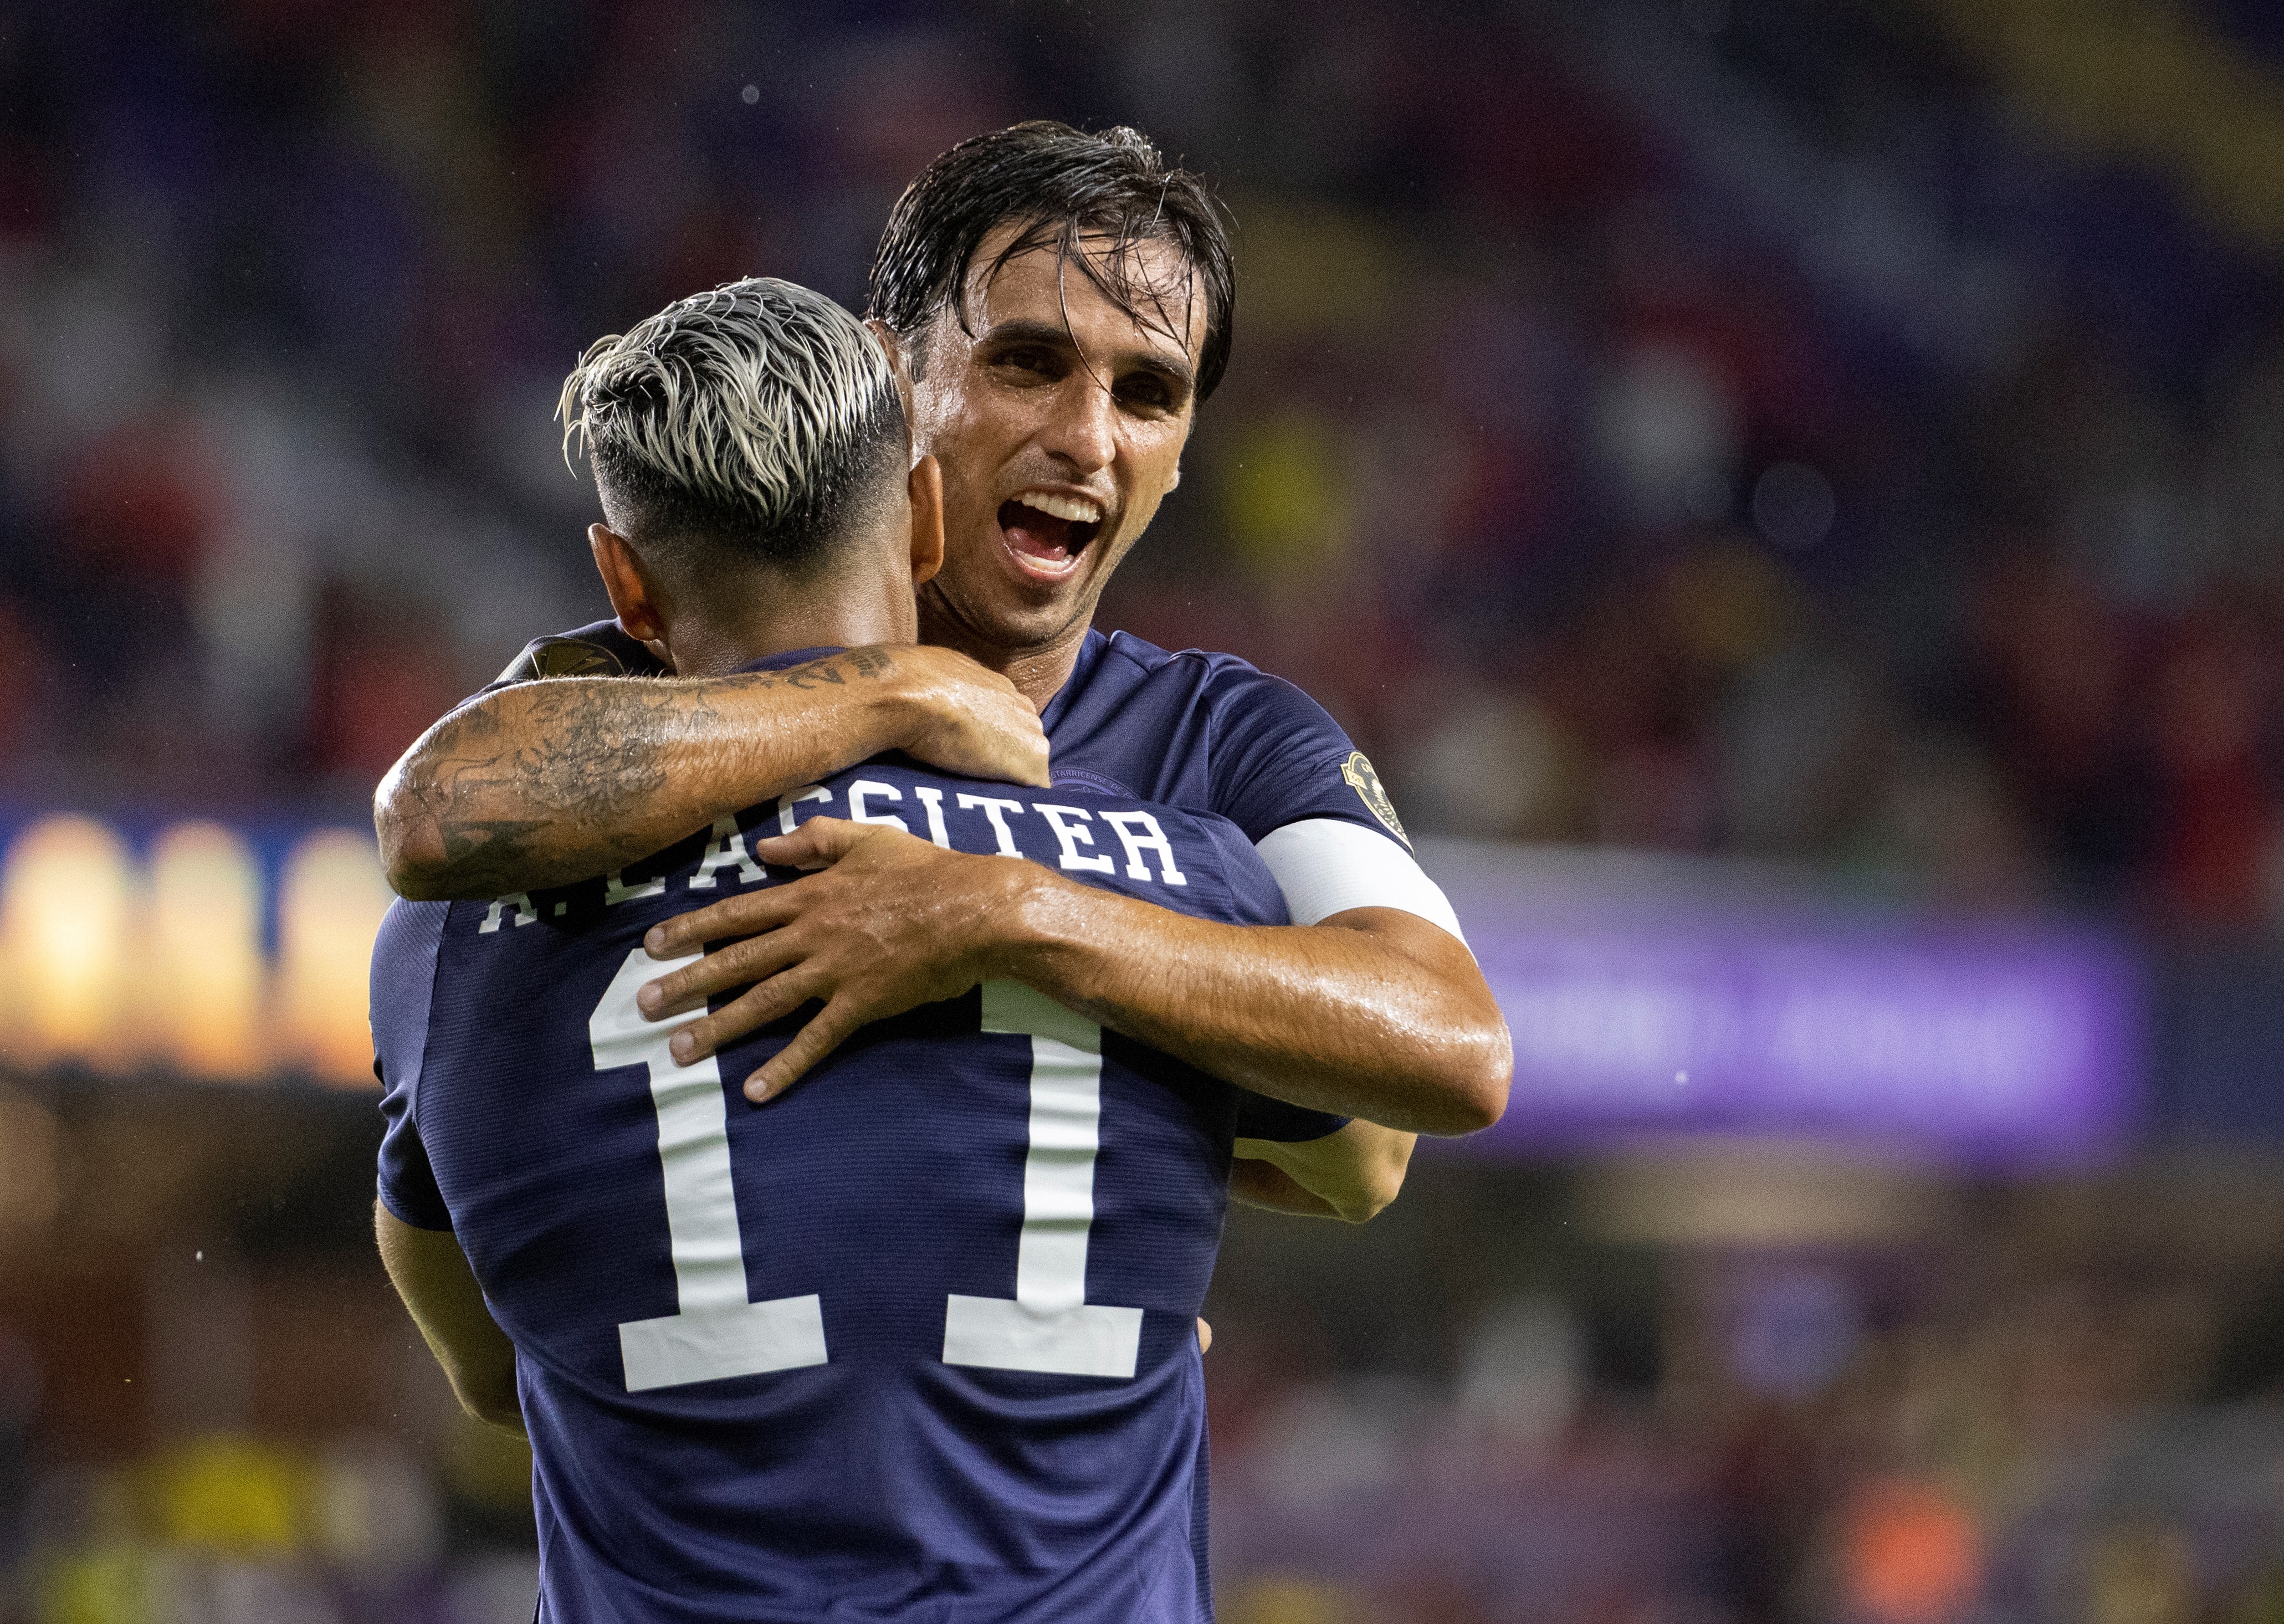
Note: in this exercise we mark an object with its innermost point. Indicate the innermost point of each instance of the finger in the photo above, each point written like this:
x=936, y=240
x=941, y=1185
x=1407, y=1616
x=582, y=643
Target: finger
x=817, y=844
x=1204, y=1335
x=737, y=915
x=1028, y=765
x=834, y=1024
x=754, y=959
x=773, y=999
x=1005, y=761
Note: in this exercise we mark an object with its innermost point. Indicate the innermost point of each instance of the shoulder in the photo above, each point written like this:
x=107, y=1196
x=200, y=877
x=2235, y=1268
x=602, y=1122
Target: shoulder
x=600, y=650
x=1234, y=692
x=404, y=949
x=1201, y=668
x=1275, y=755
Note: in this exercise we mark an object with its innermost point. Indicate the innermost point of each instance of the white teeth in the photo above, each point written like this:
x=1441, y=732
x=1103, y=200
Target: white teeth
x=1077, y=510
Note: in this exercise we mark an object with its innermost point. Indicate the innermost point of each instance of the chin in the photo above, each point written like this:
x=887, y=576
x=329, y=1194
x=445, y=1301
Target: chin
x=995, y=608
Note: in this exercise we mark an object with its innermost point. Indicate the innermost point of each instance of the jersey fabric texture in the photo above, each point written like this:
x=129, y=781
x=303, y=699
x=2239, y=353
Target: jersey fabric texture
x=1208, y=732
x=914, y=1341
x=1205, y=733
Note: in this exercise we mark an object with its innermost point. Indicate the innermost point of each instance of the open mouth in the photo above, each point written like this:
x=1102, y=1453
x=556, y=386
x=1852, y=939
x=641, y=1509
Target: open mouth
x=1048, y=532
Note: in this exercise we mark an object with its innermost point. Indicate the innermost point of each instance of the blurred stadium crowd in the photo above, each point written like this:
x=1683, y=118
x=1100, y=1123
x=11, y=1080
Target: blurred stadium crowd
x=1846, y=433
x=1708, y=427
x=2032, y=1406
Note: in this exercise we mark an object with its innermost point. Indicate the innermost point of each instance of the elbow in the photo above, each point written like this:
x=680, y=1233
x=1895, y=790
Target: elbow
x=1368, y=1205
x=411, y=850
x=492, y=1402
x=1380, y=1181
x=1476, y=1084
x=416, y=874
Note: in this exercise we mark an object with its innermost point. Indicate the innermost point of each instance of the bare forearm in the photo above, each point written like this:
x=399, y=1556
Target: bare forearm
x=1353, y=1173
x=554, y=780
x=1272, y=1189
x=440, y=1292
x=1372, y=1014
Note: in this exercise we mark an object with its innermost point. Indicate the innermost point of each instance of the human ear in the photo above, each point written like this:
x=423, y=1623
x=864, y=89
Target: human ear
x=925, y=485
x=631, y=596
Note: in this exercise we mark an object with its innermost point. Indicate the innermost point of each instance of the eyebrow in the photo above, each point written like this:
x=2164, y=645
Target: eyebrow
x=1025, y=329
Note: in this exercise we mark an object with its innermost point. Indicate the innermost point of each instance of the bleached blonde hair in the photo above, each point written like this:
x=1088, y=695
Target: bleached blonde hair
x=749, y=419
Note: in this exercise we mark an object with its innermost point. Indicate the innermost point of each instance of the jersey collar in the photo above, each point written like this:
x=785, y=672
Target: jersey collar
x=1090, y=655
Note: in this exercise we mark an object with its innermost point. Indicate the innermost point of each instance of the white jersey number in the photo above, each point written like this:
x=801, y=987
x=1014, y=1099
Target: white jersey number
x=1049, y=1324
x=717, y=1332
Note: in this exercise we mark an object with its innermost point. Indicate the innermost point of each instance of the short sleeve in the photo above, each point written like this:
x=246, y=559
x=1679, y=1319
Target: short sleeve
x=407, y=1182
x=1259, y=1117
x=404, y=958
x=1254, y=895
x=1277, y=758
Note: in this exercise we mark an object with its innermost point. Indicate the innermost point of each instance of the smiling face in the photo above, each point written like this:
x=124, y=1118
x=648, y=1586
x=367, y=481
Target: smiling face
x=1059, y=421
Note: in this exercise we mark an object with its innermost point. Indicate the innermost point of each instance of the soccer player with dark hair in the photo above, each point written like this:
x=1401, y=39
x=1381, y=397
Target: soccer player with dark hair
x=916, y=1339
x=1063, y=302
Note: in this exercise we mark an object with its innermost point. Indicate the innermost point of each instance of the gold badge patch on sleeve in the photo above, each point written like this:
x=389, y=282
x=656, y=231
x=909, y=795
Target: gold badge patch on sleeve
x=1365, y=783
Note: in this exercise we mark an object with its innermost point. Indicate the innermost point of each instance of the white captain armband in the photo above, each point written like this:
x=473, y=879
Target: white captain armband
x=1328, y=865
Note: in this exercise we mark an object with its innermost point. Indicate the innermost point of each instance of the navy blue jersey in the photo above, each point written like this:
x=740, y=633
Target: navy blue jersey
x=914, y=1340
x=1205, y=733
x=1208, y=732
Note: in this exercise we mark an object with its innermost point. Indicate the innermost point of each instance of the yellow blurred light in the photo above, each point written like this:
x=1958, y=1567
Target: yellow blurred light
x=2148, y=79
x=113, y=1582
x=232, y=1495
x=1285, y=498
x=67, y=903
x=202, y=989
x=328, y=912
x=1279, y=1599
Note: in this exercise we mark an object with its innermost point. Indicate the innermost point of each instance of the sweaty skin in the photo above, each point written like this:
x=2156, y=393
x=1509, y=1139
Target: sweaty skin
x=1350, y=1174
x=892, y=921
x=1046, y=389
x=548, y=782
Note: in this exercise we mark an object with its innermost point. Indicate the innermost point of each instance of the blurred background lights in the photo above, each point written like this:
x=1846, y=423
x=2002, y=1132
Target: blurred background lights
x=66, y=914
x=205, y=935
x=118, y=963
x=1909, y=1555
x=1667, y=427
x=329, y=907
x=1795, y=1332
x=1284, y=499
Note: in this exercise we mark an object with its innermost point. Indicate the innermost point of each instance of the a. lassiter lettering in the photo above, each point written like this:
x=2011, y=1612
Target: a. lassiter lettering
x=1062, y=833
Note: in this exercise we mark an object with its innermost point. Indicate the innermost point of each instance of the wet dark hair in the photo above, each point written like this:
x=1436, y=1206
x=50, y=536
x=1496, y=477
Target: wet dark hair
x=1057, y=184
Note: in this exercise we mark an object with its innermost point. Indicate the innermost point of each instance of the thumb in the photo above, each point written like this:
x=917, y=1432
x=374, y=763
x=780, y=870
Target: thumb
x=817, y=844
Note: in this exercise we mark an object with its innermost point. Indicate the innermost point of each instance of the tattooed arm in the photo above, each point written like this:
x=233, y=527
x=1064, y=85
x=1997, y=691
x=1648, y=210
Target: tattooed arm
x=545, y=782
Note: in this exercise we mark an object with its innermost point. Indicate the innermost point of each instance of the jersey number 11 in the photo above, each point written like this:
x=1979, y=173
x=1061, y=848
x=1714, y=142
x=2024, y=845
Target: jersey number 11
x=715, y=1331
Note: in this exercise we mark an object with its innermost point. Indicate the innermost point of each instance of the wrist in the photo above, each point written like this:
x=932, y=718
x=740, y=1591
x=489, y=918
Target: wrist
x=907, y=709
x=1024, y=926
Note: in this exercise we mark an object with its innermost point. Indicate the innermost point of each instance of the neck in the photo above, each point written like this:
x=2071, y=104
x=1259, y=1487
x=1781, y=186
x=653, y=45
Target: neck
x=716, y=637
x=1038, y=670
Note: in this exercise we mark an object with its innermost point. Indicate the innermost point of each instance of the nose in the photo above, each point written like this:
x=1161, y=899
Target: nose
x=1085, y=429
